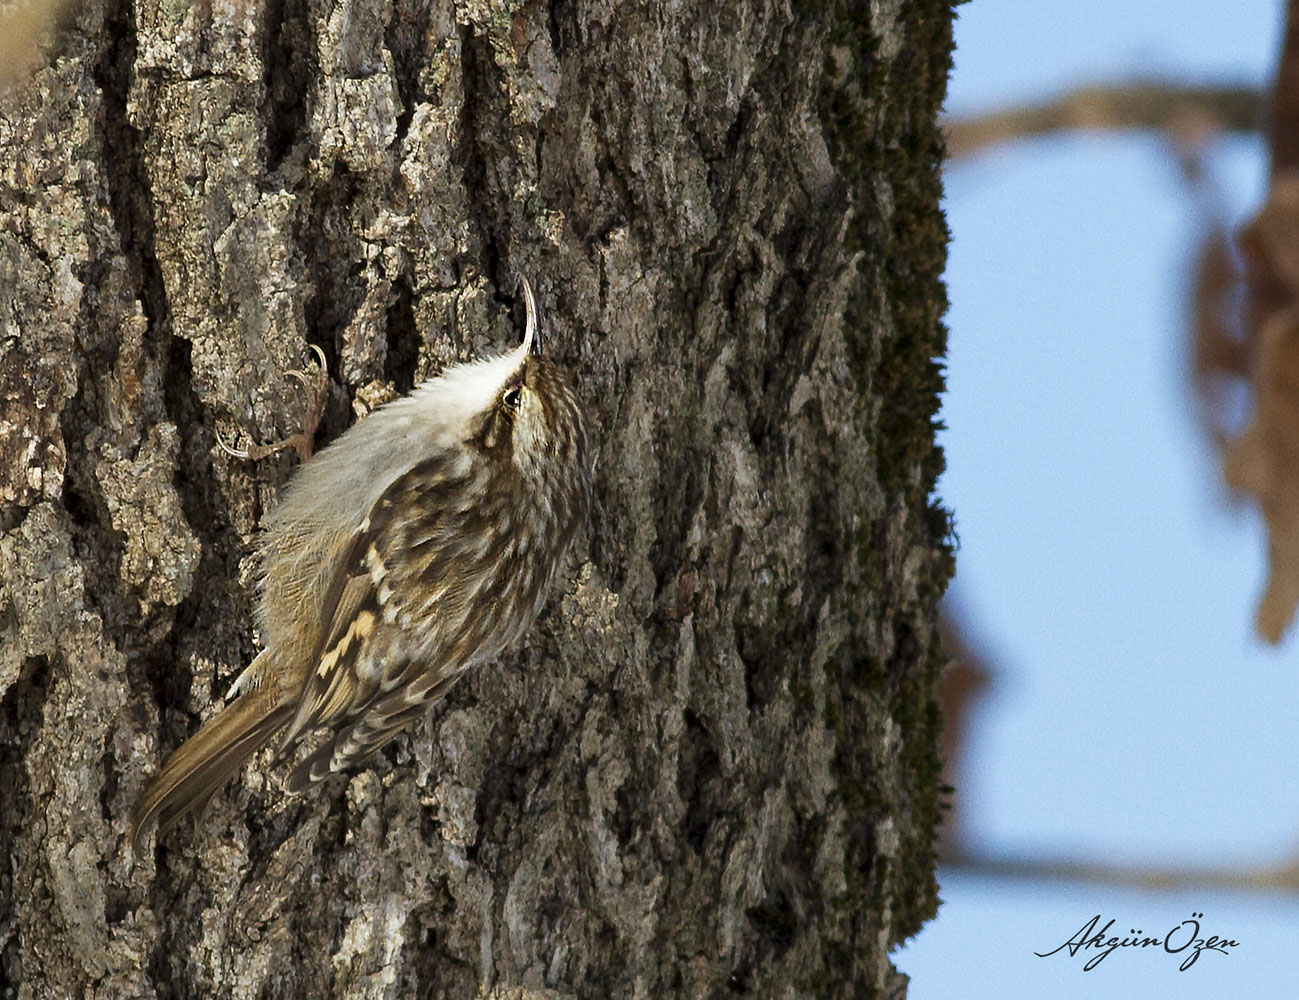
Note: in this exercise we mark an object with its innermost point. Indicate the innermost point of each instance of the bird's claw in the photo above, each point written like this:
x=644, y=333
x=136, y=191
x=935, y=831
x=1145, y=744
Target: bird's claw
x=303, y=441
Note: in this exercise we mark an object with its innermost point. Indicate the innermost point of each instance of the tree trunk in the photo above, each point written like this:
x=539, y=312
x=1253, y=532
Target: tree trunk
x=712, y=768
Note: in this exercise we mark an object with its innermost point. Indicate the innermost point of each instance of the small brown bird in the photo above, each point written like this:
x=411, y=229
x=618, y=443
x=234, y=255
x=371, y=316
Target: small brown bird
x=418, y=545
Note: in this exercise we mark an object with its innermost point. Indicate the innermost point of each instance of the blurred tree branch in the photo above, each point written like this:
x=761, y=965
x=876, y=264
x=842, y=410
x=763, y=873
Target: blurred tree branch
x=1162, y=105
x=1282, y=878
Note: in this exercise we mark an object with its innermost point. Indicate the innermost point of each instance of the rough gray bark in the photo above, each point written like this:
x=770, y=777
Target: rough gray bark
x=712, y=770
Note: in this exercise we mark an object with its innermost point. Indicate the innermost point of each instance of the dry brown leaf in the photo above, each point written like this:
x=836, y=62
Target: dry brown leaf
x=1264, y=460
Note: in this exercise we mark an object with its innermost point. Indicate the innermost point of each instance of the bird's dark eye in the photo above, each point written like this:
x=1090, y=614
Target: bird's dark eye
x=511, y=397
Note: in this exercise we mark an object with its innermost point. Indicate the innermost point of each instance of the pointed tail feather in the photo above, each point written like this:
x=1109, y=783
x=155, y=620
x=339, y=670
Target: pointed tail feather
x=205, y=761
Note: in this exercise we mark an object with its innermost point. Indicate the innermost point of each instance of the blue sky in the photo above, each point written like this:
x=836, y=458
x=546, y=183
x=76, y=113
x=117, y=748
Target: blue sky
x=1136, y=719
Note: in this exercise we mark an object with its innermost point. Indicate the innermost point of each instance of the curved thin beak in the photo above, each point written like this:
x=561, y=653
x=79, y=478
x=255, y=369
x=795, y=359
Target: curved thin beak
x=531, y=335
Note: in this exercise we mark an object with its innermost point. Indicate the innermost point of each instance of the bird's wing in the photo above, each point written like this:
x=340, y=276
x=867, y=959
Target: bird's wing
x=404, y=571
